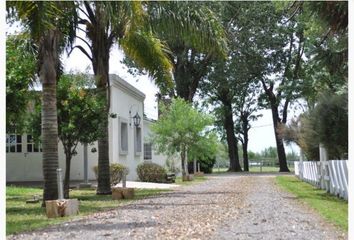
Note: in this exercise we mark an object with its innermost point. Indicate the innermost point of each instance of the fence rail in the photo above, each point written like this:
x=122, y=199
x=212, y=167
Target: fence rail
x=331, y=176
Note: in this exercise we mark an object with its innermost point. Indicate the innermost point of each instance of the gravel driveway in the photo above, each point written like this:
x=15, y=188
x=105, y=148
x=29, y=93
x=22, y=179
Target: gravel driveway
x=226, y=206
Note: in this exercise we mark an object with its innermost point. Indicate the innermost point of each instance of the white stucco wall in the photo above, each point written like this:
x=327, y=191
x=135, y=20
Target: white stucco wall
x=155, y=157
x=124, y=99
x=27, y=166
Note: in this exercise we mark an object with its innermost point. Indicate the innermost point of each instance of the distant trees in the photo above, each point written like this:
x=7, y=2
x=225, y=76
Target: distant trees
x=181, y=130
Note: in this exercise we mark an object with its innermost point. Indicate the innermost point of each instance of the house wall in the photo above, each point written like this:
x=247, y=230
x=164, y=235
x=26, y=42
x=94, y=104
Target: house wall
x=125, y=98
x=27, y=166
x=123, y=101
x=155, y=157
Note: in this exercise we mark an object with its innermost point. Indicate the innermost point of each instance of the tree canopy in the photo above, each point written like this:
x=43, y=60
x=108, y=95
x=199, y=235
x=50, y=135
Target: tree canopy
x=181, y=129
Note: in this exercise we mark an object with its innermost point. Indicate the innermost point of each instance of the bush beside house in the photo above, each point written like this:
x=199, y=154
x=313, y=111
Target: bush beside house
x=116, y=171
x=151, y=172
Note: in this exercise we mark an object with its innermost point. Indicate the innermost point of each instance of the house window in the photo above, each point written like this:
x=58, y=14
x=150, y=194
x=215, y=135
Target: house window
x=13, y=143
x=137, y=140
x=123, y=138
x=147, y=151
x=33, y=146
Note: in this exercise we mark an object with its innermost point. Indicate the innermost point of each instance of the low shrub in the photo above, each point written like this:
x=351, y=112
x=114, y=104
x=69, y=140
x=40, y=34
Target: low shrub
x=116, y=171
x=151, y=172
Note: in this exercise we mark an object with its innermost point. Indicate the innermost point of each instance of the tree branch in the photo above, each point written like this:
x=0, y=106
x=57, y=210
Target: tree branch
x=83, y=51
x=83, y=12
x=85, y=42
x=91, y=15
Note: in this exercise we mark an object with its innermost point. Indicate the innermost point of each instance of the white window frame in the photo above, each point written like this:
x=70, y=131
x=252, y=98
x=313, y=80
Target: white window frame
x=14, y=144
x=137, y=140
x=122, y=151
x=146, y=155
x=33, y=144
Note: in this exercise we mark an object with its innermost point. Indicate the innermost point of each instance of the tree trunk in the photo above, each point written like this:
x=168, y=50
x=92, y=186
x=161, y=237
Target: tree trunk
x=183, y=159
x=245, y=157
x=48, y=60
x=100, y=62
x=67, y=174
x=231, y=140
x=245, y=144
x=103, y=181
x=279, y=141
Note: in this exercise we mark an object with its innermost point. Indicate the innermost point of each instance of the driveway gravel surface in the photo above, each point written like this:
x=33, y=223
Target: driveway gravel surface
x=226, y=206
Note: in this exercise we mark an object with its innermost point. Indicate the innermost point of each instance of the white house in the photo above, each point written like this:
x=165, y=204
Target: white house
x=128, y=144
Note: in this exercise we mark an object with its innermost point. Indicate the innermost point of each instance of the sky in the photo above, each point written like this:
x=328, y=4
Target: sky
x=261, y=135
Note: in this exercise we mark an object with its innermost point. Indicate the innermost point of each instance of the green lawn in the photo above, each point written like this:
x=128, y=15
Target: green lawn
x=333, y=209
x=21, y=216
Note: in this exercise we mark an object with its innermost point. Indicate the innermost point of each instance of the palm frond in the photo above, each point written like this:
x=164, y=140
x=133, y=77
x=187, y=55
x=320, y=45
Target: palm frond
x=193, y=24
x=151, y=54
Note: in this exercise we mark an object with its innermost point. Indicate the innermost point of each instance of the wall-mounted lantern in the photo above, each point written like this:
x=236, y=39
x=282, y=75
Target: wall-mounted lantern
x=136, y=119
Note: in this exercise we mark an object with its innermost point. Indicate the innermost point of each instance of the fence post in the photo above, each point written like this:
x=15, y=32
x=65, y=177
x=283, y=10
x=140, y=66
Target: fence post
x=323, y=160
x=301, y=165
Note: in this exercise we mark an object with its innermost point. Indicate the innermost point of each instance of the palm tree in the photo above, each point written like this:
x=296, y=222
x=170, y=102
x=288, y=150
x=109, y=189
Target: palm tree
x=122, y=23
x=51, y=26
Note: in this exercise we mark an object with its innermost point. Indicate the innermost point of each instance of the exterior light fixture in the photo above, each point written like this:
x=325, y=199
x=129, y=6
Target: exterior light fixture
x=136, y=119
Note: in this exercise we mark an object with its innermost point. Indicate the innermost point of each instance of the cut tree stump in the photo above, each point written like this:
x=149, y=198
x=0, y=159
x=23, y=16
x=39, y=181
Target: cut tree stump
x=122, y=193
x=62, y=208
x=199, y=174
x=187, y=178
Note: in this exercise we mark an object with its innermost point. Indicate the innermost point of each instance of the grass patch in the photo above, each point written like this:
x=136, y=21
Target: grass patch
x=333, y=209
x=186, y=183
x=21, y=216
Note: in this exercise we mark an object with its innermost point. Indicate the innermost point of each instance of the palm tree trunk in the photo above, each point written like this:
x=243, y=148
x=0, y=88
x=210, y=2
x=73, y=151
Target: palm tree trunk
x=101, y=69
x=48, y=59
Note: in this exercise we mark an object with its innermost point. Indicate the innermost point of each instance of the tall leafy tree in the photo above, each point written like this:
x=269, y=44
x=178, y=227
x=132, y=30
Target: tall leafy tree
x=51, y=26
x=229, y=81
x=123, y=23
x=281, y=57
x=219, y=90
x=246, y=107
x=179, y=129
x=326, y=73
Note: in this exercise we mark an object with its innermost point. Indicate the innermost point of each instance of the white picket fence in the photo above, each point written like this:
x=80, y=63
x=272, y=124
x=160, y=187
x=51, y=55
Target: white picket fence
x=331, y=176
